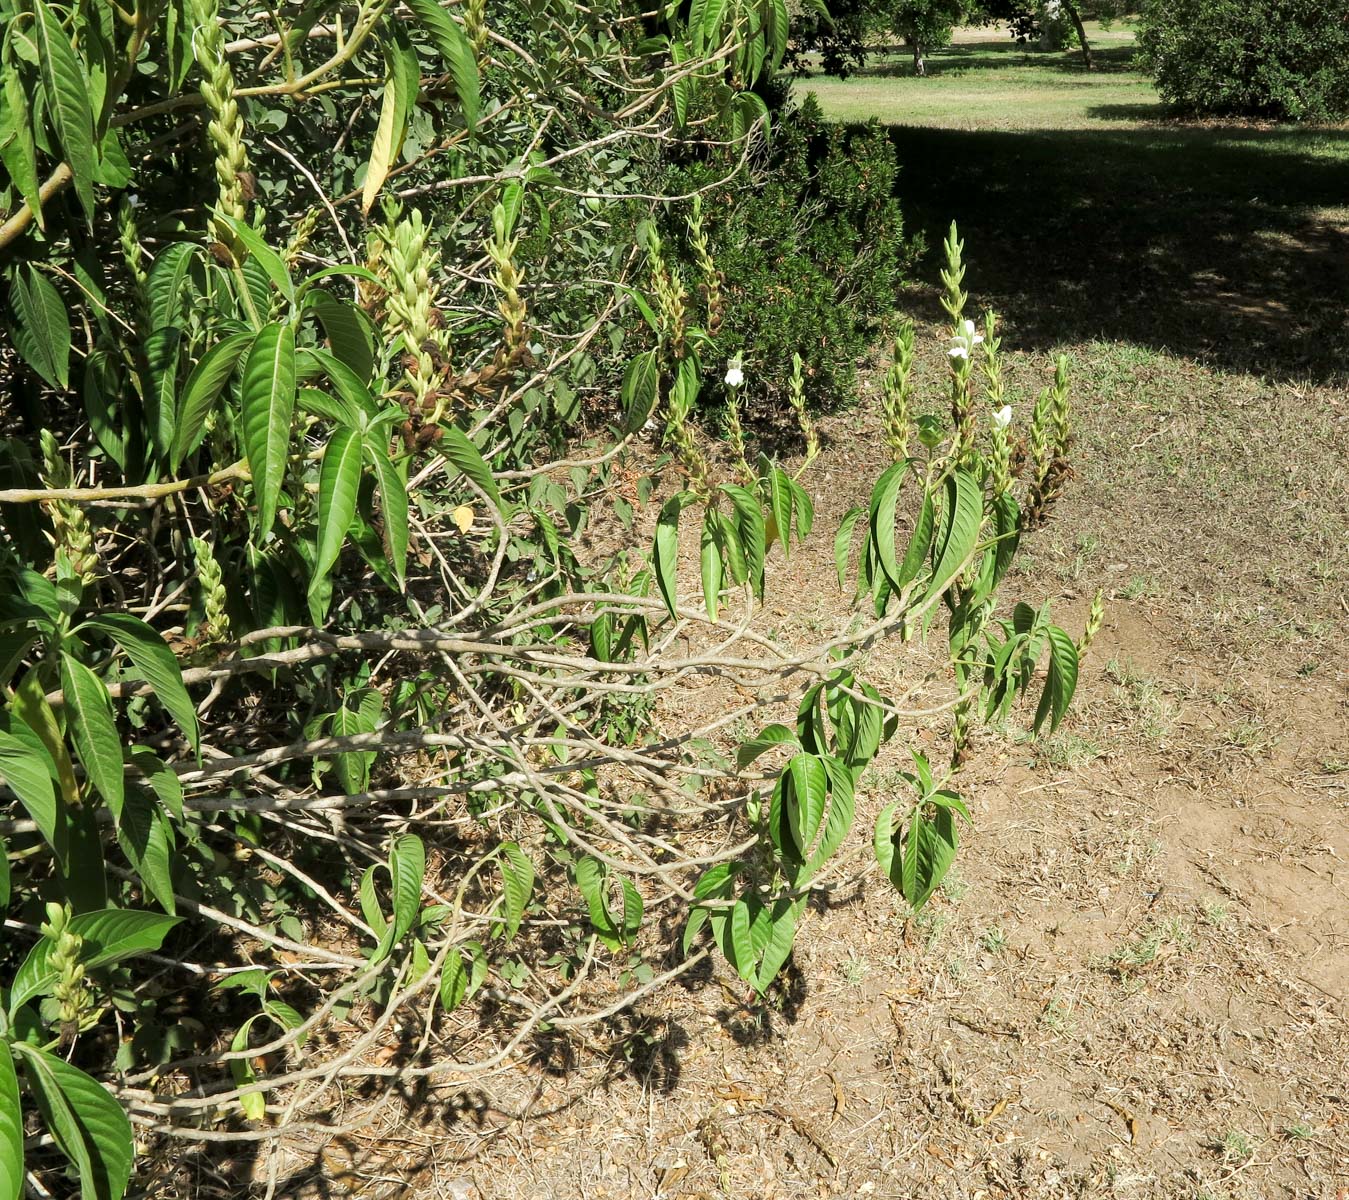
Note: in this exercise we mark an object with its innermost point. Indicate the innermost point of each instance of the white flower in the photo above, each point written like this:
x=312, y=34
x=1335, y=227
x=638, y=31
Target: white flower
x=964, y=340
x=1002, y=417
x=734, y=376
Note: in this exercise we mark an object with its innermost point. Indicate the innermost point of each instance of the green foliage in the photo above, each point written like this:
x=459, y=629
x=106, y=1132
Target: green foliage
x=301, y=619
x=812, y=251
x=1285, y=59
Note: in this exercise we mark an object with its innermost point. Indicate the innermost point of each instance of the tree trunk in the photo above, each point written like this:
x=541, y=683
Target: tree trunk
x=919, y=66
x=1076, y=18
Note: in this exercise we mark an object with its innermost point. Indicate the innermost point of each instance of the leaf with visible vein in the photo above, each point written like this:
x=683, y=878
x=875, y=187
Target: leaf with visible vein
x=268, y=402
x=90, y=720
x=339, y=486
x=454, y=47
x=67, y=90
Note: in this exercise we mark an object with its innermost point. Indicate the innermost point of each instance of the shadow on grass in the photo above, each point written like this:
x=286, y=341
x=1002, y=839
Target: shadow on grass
x=1203, y=242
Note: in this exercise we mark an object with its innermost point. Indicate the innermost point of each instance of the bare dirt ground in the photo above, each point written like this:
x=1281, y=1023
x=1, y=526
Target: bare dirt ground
x=1133, y=985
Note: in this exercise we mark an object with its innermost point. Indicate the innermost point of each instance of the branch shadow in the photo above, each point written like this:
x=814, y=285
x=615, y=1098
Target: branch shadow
x=1227, y=244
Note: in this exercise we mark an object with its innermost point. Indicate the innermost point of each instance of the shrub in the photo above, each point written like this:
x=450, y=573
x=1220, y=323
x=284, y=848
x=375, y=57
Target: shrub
x=811, y=247
x=315, y=705
x=1285, y=59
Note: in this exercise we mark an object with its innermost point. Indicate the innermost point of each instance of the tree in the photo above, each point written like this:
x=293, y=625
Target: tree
x=925, y=24
x=1029, y=19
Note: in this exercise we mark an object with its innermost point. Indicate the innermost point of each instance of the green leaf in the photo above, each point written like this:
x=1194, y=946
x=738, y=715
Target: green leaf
x=728, y=545
x=782, y=919
x=665, y=550
x=517, y=876
x=144, y=838
x=89, y=1126
x=407, y=868
x=453, y=980
x=103, y=405
x=808, y=786
x=843, y=543
x=710, y=562
x=454, y=47
x=371, y=911
x=929, y=850
x=780, y=504
x=1061, y=680
x=111, y=935
x=803, y=510
x=348, y=331
x=160, y=779
x=455, y=446
x=339, y=487
x=591, y=879
x=156, y=664
x=17, y=150
x=764, y=740
x=67, y=90
x=31, y=707
x=883, y=841
x=742, y=955
x=753, y=533
x=199, y=395
x=165, y=286
x=633, y=907
x=884, y=497
x=268, y=403
x=42, y=335
x=253, y=1104
x=6, y=882
x=965, y=516
x=920, y=543
x=27, y=773
x=11, y=1129
x=268, y=259
x=393, y=501
x=641, y=389
x=842, y=805
x=161, y=353
x=89, y=718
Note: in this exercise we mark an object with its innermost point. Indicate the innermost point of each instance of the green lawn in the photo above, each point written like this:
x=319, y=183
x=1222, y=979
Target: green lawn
x=987, y=81
x=1090, y=213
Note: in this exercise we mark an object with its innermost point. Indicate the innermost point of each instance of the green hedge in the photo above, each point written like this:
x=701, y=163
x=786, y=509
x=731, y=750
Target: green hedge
x=1284, y=59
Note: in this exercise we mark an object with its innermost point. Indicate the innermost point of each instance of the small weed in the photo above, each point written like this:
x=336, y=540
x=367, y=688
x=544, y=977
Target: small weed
x=956, y=967
x=993, y=939
x=1140, y=587
x=1134, y=855
x=1234, y=1146
x=855, y=970
x=1215, y=912
x=1067, y=750
x=955, y=887
x=1252, y=736
x=1157, y=713
x=1298, y=1132
x=1057, y=1014
x=930, y=925
x=1160, y=941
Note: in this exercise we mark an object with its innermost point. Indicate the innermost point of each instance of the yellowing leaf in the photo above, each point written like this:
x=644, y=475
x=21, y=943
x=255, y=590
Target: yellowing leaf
x=463, y=518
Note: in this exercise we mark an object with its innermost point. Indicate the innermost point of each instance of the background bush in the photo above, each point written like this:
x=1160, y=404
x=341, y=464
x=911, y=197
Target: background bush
x=811, y=244
x=1286, y=59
